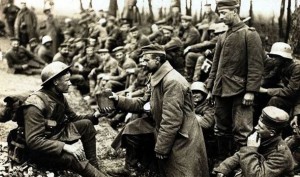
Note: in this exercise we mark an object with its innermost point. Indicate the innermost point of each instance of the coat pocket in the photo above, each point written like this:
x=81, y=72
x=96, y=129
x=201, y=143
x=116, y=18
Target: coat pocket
x=232, y=84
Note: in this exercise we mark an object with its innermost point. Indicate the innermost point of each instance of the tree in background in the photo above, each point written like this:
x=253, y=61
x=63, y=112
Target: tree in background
x=280, y=19
x=294, y=38
x=113, y=8
x=288, y=21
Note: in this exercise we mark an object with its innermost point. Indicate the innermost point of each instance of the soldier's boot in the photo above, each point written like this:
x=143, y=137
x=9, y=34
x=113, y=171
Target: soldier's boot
x=91, y=171
x=90, y=151
x=189, y=73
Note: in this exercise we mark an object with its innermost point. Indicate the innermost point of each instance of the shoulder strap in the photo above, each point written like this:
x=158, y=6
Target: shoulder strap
x=43, y=97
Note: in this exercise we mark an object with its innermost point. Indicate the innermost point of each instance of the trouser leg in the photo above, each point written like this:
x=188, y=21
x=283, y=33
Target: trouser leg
x=190, y=62
x=198, y=66
x=242, y=120
x=67, y=161
x=87, y=131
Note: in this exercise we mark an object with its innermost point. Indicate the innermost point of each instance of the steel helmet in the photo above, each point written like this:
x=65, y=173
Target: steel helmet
x=281, y=49
x=199, y=86
x=46, y=39
x=53, y=70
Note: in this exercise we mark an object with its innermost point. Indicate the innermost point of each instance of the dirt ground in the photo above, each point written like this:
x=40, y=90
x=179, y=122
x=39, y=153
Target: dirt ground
x=14, y=84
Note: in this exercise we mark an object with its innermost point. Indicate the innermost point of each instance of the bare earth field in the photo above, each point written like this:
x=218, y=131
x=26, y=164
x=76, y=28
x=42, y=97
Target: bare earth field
x=14, y=84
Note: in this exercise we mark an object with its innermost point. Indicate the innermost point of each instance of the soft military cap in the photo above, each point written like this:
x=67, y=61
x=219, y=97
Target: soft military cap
x=274, y=117
x=153, y=49
x=186, y=17
x=102, y=51
x=117, y=49
x=227, y=4
x=169, y=28
x=32, y=40
x=161, y=22
x=14, y=39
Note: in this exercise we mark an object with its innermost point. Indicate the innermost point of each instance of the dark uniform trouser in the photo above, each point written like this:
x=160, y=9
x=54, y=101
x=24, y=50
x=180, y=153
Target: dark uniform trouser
x=140, y=149
x=233, y=117
x=86, y=168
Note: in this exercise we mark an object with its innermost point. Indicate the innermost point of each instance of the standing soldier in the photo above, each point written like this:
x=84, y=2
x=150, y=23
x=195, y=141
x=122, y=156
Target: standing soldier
x=52, y=29
x=10, y=11
x=25, y=24
x=234, y=78
x=179, y=147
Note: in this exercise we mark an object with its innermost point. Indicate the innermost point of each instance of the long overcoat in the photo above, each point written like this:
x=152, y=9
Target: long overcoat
x=177, y=132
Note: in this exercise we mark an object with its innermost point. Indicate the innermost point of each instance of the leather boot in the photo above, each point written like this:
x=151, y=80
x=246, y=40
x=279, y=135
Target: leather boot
x=90, y=151
x=91, y=171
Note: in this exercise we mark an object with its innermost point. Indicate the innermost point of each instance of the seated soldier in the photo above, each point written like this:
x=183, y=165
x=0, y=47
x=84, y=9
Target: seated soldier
x=33, y=46
x=98, y=76
x=45, y=52
x=21, y=61
x=63, y=54
x=266, y=154
x=82, y=69
x=174, y=48
x=117, y=81
x=194, y=54
x=286, y=96
x=205, y=116
x=52, y=128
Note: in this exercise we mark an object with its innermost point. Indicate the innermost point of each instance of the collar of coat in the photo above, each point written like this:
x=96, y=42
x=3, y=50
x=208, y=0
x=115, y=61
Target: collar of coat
x=160, y=73
x=237, y=26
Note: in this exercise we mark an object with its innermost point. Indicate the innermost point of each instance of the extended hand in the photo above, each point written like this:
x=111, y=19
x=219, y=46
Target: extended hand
x=210, y=98
x=253, y=140
x=294, y=122
x=248, y=99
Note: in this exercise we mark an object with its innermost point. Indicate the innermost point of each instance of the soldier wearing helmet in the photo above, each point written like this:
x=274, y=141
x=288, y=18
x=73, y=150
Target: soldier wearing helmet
x=45, y=52
x=288, y=73
x=52, y=127
x=205, y=117
x=203, y=109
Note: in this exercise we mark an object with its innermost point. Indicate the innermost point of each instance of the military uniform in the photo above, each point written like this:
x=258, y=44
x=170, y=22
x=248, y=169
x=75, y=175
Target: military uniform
x=10, y=11
x=65, y=59
x=271, y=158
x=17, y=58
x=51, y=124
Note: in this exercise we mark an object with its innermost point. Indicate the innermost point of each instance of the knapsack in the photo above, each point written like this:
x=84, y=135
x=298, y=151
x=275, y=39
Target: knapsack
x=17, y=148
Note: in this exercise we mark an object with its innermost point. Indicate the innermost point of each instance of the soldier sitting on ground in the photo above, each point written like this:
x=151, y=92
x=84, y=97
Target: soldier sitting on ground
x=266, y=154
x=52, y=128
x=21, y=61
x=117, y=81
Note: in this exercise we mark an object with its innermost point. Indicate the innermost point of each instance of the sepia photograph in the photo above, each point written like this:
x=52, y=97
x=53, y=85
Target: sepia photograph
x=149, y=88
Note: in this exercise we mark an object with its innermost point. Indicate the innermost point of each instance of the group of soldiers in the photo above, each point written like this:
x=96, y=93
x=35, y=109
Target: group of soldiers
x=193, y=100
